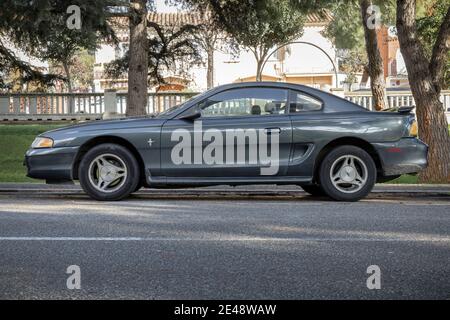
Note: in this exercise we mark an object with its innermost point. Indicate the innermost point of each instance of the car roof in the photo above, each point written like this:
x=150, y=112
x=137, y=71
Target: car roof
x=332, y=103
x=272, y=84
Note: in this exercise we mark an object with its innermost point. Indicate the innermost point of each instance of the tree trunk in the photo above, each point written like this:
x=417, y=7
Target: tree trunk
x=138, y=66
x=210, y=68
x=258, y=71
x=364, y=78
x=260, y=54
x=376, y=70
x=259, y=65
x=439, y=56
x=68, y=76
x=433, y=127
x=69, y=87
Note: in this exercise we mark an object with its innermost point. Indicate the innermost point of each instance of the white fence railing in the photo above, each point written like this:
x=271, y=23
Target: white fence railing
x=90, y=106
x=396, y=99
x=77, y=106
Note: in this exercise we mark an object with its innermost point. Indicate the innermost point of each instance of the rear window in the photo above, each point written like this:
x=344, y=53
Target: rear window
x=301, y=102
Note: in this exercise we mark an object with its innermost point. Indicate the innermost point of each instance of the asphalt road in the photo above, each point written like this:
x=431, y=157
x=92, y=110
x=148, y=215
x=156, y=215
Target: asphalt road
x=225, y=248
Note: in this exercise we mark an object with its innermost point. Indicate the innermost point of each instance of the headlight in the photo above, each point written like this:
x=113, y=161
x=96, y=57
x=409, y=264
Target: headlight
x=42, y=142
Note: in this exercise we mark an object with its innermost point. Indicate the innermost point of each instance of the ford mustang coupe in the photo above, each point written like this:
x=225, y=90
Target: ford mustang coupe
x=246, y=133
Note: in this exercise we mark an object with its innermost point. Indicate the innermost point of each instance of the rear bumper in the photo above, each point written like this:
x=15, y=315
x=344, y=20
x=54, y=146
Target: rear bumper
x=408, y=155
x=51, y=163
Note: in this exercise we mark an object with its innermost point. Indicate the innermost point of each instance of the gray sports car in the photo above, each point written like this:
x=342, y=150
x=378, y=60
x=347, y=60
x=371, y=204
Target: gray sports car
x=246, y=133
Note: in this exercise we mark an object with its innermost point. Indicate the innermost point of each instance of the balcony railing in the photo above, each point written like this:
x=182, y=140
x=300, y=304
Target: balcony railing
x=91, y=106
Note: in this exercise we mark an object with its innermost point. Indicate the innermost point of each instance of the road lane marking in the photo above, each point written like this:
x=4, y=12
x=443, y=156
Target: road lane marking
x=143, y=239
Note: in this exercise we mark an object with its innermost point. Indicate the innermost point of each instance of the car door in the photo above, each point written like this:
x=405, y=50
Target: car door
x=243, y=132
x=308, y=127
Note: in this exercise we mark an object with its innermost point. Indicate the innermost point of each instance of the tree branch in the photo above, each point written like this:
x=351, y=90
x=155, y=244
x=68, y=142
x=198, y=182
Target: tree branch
x=440, y=50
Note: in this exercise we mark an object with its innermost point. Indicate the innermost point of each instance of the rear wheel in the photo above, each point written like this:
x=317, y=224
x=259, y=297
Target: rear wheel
x=314, y=190
x=347, y=173
x=109, y=172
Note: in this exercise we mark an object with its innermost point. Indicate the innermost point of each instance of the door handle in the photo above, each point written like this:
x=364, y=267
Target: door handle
x=270, y=131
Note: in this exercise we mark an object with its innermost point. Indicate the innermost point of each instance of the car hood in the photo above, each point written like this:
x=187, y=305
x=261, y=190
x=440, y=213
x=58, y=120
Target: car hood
x=108, y=125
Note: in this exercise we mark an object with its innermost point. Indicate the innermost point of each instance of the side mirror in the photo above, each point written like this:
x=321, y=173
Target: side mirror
x=192, y=115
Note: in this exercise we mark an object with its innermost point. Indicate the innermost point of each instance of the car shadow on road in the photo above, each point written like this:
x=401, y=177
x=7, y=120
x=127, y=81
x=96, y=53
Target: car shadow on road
x=228, y=196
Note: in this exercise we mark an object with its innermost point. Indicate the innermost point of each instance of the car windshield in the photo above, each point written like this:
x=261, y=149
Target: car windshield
x=173, y=109
x=170, y=111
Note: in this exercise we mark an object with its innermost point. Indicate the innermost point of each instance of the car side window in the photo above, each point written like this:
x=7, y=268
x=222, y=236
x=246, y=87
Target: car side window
x=301, y=102
x=246, y=102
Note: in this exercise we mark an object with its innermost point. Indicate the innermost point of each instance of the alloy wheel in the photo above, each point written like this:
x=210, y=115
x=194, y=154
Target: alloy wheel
x=107, y=173
x=348, y=174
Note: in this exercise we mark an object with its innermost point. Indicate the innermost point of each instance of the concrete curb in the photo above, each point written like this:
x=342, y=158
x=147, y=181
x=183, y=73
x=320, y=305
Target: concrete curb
x=263, y=190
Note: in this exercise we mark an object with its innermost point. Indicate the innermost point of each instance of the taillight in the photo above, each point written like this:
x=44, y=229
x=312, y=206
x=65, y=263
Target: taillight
x=411, y=126
x=413, y=129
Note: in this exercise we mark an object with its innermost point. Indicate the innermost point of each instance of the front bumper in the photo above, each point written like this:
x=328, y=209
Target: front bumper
x=408, y=155
x=50, y=163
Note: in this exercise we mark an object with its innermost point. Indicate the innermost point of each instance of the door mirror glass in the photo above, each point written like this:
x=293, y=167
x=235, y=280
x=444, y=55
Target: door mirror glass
x=192, y=114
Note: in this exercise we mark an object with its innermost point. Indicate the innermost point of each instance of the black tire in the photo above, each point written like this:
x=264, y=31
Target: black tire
x=138, y=187
x=124, y=159
x=314, y=190
x=357, y=188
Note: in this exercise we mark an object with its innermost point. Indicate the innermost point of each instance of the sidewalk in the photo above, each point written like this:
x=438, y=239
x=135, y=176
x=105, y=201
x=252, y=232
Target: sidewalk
x=287, y=190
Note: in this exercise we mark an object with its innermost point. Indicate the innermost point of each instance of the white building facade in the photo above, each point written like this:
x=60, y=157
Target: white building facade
x=311, y=62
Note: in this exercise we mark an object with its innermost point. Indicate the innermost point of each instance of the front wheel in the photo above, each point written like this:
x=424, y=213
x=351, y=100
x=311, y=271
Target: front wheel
x=138, y=187
x=109, y=172
x=347, y=173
